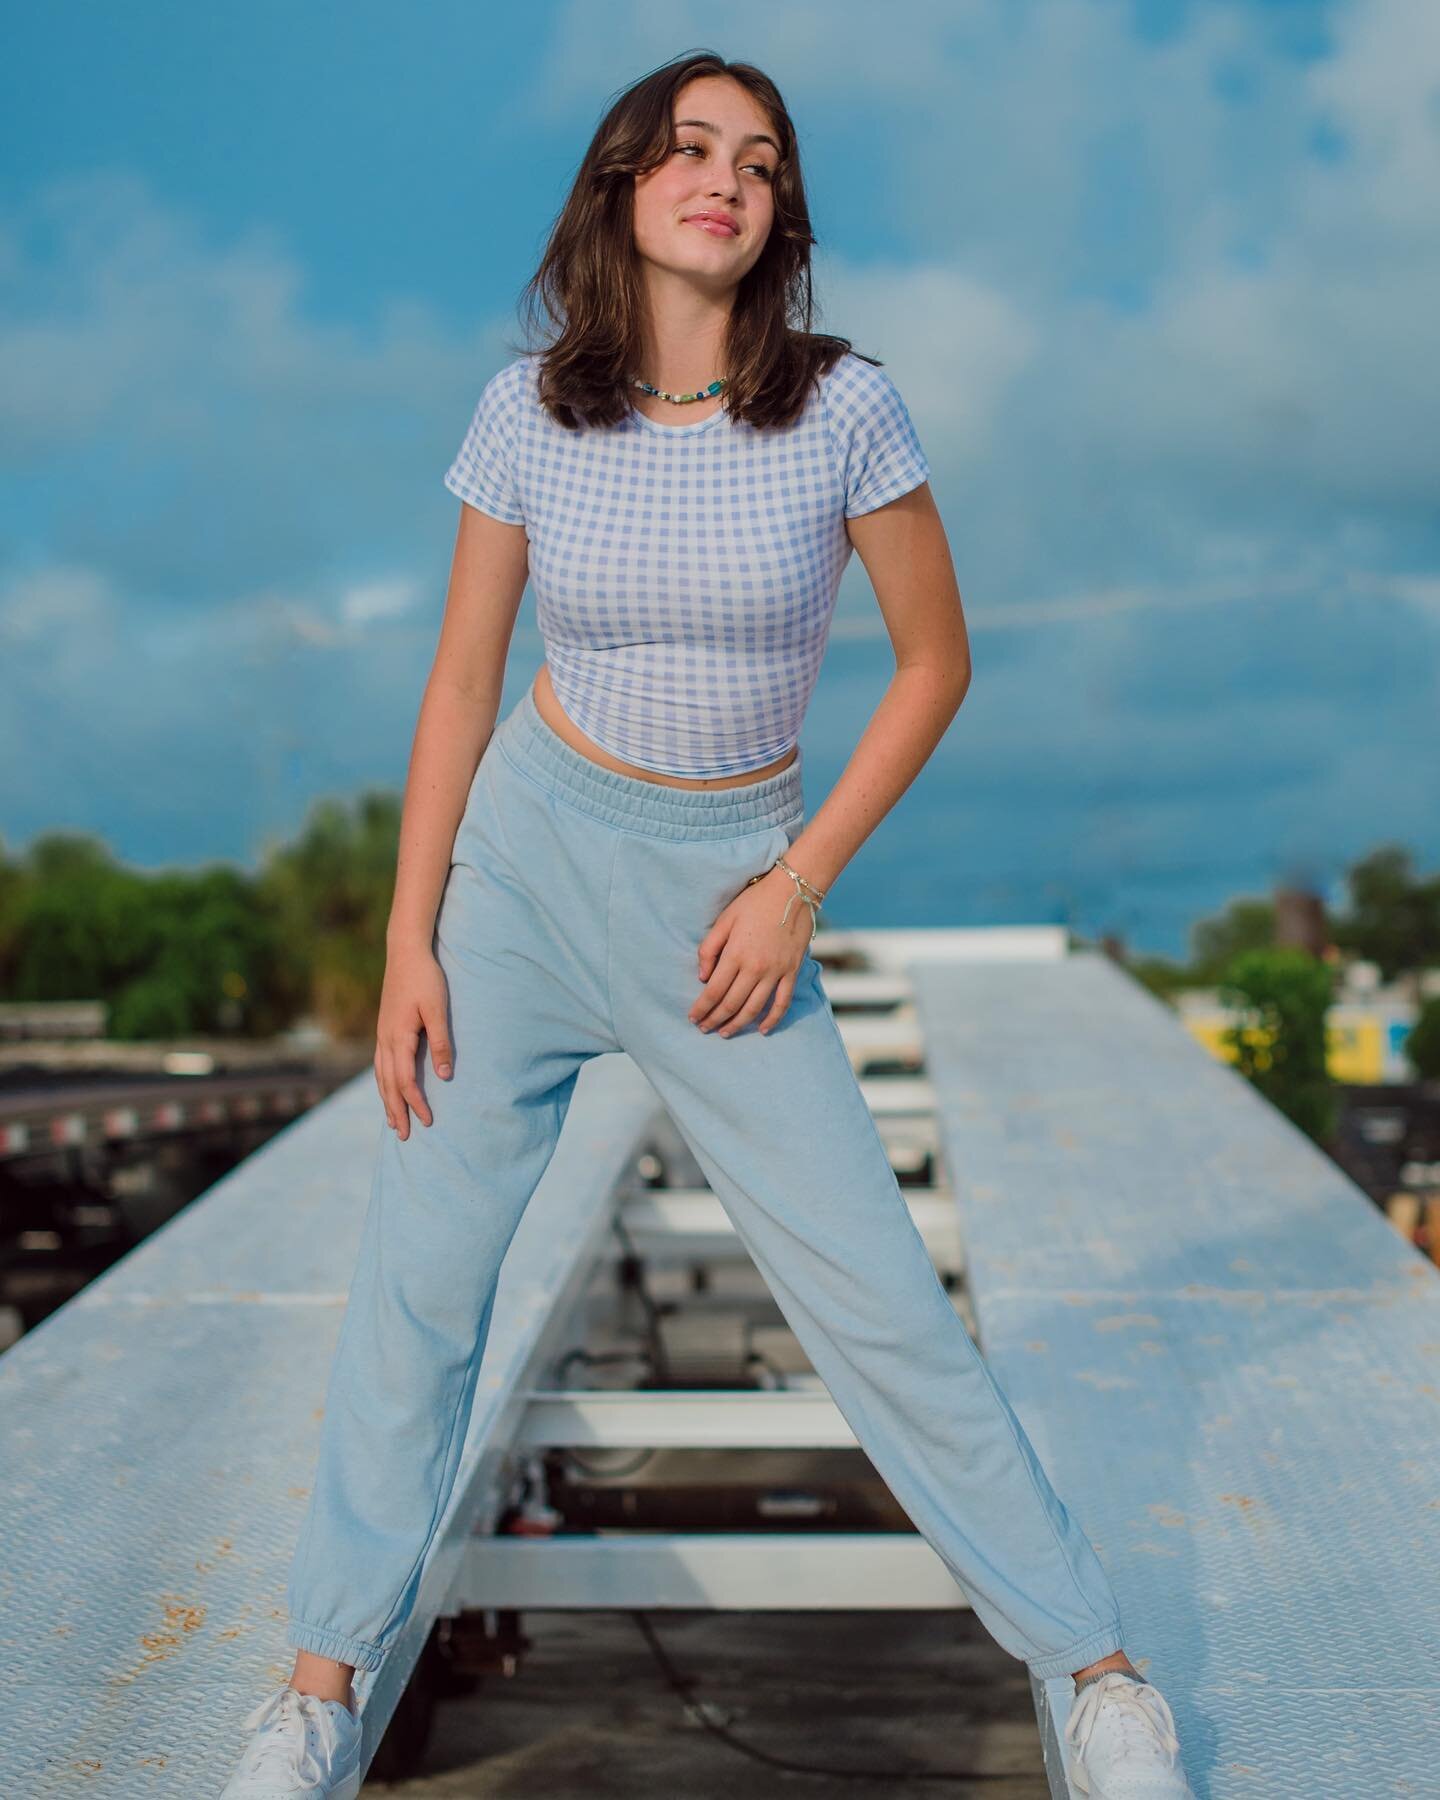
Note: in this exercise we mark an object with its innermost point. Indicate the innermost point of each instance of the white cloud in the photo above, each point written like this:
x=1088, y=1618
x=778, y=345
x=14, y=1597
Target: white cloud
x=38, y=604
x=371, y=600
x=947, y=321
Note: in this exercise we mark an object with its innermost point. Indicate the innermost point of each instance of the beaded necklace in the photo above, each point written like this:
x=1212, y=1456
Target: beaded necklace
x=660, y=394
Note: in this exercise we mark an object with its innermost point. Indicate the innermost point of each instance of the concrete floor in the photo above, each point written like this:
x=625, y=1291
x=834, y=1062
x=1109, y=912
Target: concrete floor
x=590, y=1715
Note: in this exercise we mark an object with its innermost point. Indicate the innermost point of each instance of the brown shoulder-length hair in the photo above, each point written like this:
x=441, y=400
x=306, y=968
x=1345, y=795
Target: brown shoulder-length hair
x=588, y=283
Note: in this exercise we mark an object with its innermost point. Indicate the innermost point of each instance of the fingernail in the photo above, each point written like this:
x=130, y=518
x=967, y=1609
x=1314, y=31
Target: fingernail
x=445, y=1070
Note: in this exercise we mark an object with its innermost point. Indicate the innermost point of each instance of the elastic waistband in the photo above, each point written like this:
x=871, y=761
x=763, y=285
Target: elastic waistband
x=651, y=807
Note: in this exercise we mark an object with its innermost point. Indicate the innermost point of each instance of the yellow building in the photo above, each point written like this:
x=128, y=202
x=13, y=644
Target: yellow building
x=1364, y=1038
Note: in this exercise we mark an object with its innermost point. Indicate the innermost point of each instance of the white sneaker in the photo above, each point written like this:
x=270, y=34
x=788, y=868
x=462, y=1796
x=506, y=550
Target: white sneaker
x=303, y=1746
x=1122, y=1742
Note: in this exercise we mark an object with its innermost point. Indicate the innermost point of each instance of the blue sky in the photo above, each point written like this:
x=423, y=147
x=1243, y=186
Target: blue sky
x=1159, y=282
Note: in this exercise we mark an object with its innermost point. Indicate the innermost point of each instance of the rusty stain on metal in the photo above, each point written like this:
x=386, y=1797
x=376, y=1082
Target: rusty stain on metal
x=1166, y=1514
x=1250, y=1510
x=180, y=1617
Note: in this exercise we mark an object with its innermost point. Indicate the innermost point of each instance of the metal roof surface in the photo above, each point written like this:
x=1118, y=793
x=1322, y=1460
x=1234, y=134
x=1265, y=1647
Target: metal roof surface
x=1227, y=1360
x=158, y=1433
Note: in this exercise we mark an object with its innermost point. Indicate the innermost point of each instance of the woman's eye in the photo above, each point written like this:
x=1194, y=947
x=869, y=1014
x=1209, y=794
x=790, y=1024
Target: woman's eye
x=762, y=169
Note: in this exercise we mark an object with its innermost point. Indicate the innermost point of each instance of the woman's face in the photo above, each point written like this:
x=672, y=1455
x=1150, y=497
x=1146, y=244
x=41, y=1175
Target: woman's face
x=724, y=160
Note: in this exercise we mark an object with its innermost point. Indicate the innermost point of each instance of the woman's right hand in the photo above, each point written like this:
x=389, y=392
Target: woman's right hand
x=414, y=998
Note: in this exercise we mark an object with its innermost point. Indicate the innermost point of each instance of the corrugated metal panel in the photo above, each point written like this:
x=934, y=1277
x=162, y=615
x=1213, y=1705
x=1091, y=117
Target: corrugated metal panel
x=158, y=1432
x=1228, y=1362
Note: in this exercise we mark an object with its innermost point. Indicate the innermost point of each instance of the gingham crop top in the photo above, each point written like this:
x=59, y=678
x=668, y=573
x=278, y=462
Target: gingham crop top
x=685, y=575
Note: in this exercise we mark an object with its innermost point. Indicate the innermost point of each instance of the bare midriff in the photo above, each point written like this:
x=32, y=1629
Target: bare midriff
x=560, y=722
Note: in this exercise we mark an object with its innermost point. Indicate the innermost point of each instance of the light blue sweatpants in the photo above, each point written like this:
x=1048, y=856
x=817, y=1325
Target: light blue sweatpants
x=568, y=927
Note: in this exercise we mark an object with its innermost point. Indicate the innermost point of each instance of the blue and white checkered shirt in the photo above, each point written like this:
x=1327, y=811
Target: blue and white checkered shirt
x=685, y=575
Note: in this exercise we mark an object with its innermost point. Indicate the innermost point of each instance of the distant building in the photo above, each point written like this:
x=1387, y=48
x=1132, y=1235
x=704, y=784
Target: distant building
x=1366, y=1028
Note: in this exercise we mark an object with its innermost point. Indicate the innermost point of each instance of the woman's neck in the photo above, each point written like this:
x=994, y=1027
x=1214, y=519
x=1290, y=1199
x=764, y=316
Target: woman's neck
x=683, y=345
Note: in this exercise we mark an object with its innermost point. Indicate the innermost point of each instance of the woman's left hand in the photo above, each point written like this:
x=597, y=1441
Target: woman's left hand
x=747, y=952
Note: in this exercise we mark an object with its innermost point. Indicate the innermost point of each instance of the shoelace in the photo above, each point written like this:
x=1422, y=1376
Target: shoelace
x=1141, y=1712
x=286, y=1749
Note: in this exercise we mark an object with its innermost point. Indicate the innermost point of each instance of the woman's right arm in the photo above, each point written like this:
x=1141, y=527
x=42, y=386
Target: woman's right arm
x=457, y=715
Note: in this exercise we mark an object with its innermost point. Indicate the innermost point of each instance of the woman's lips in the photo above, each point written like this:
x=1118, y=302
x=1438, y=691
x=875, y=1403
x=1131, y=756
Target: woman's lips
x=716, y=227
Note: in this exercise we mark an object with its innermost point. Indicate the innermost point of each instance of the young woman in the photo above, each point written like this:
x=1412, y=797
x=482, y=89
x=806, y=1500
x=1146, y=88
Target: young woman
x=625, y=863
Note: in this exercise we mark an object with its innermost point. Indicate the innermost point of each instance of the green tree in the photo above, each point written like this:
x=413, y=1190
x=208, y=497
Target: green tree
x=169, y=954
x=1393, y=918
x=1216, y=942
x=1422, y=1041
x=1163, y=977
x=329, y=893
x=1282, y=997
x=15, y=883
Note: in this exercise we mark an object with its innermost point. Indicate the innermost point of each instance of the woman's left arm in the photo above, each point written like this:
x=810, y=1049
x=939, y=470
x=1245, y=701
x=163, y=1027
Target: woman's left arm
x=907, y=557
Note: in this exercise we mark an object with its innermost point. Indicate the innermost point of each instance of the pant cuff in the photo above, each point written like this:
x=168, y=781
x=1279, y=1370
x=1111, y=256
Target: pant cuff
x=321, y=1641
x=1104, y=1642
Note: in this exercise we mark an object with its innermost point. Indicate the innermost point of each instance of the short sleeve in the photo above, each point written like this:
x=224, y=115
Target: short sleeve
x=483, y=472
x=877, y=445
